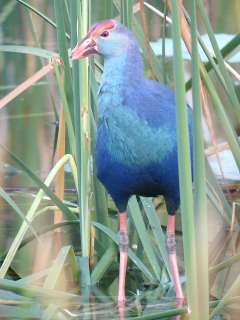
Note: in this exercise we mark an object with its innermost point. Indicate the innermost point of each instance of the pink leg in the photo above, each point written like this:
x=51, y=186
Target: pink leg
x=123, y=248
x=171, y=248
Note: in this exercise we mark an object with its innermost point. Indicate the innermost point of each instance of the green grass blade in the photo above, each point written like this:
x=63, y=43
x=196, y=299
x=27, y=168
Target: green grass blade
x=53, y=278
x=103, y=264
x=74, y=12
x=40, y=294
x=126, y=12
x=103, y=10
x=7, y=9
x=185, y=170
x=31, y=212
x=49, y=179
x=211, y=58
x=85, y=134
x=155, y=67
x=14, y=206
x=100, y=195
x=231, y=293
x=48, y=228
x=136, y=216
x=225, y=264
x=75, y=75
x=66, y=108
x=43, y=53
x=164, y=33
x=141, y=266
x=26, y=310
x=200, y=209
x=162, y=314
x=57, y=267
x=39, y=13
x=101, y=210
x=225, y=51
x=63, y=47
x=156, y=229
x=67, y=15
x=228, y=128
x=35, y=277
x=50, y=312
x=216, y=195
x=228, y=81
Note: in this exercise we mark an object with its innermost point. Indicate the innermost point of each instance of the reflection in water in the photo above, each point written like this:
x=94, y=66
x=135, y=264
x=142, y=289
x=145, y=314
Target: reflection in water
x=132, y=309
x=121, y=310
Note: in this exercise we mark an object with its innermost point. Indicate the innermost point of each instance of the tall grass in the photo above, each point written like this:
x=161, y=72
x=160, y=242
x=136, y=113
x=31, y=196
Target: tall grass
x=199, y=175
x=94, y=258
x=185, y=177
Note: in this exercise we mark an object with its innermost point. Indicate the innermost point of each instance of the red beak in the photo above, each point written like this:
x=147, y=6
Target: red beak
x=84, y=48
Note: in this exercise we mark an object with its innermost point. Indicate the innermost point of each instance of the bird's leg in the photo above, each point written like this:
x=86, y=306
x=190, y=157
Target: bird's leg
x=171, y=248
x=123, y=248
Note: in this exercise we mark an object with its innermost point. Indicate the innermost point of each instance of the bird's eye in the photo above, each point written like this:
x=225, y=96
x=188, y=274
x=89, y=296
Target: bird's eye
x=105, y=34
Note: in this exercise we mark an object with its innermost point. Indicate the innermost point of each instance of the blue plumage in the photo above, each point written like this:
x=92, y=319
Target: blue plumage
x=136, y=152
x=136, y=139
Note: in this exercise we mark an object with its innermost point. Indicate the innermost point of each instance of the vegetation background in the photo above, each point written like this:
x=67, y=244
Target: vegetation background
x=59, y=260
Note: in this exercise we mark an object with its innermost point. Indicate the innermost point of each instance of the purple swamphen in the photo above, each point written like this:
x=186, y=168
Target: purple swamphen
x=136, y=151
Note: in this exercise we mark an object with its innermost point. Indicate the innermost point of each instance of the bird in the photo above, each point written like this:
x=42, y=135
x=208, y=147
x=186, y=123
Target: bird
x=136, y=145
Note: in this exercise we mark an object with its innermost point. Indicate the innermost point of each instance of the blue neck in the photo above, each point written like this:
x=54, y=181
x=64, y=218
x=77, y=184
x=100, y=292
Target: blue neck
x=124, y=69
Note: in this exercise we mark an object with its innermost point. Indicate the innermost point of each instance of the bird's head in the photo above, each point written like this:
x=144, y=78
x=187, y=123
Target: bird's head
x=107, y=38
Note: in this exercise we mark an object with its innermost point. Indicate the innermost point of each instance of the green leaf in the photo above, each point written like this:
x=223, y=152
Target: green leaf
x=228, y=81
x=53, y=277
x=103, y=264
x=184, y=165
x=14, y=206
x=141, y=266
x=43, y=53
x=63, y=47
x=35, y=277
x=136, y=216
x=200, y=208
x=30, y=311
x=40, y=294
x=39, y=13
x=31, y=212
x=158, y=233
